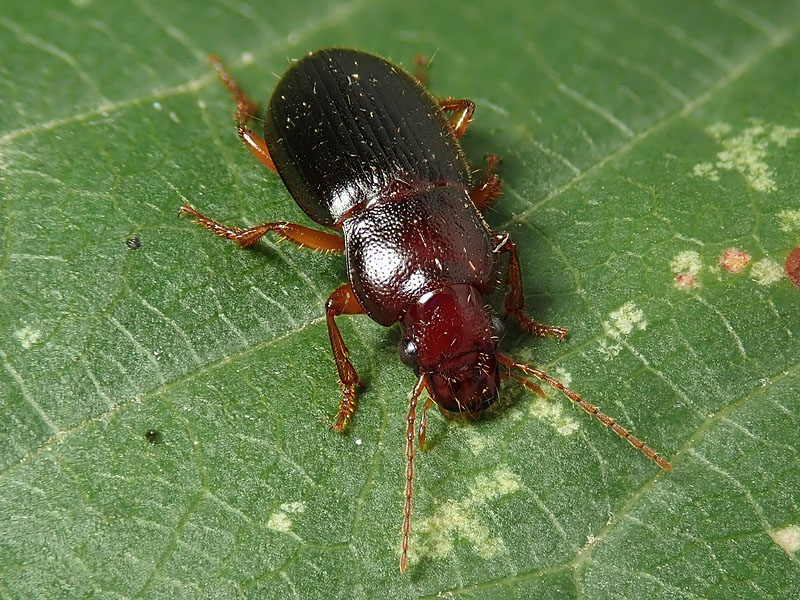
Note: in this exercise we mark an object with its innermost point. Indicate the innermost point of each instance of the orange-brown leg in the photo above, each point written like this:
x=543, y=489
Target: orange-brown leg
x=515, y=302
x=247, y=109
x=423, y=424
x=421, y=64
x=343, y=302
x=489, y=187
x=591, y=409
x=419, y=387
x=463, y=111
x=300, y=235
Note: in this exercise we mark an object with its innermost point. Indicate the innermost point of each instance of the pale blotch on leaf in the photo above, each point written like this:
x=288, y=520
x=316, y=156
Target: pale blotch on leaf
x=28, y=337
x=766, y=272
x=686, y=265
x=465, y=519
x=280, y=521
x=790, y=220
x=746, y=152
x=477, y=443
x=619, y=325
x=552, y=410
x=787, y=538
x=706, y=170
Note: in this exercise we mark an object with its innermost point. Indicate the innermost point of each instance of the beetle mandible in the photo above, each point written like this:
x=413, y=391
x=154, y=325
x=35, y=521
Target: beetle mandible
x=366, y=150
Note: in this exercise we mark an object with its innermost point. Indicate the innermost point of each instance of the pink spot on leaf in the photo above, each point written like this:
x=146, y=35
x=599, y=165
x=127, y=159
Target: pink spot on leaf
x=734, y=260
x=685, y=280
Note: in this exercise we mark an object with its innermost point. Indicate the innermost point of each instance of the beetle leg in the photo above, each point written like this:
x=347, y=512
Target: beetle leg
x=257, y=146
x=300, y=235
x=421, y=64
x=515, y=302
x=591, y=409
x=247, y=109
x=343, y=302
x=489, y=187
x=423, y=424
x=463, y=109
x=419, y=387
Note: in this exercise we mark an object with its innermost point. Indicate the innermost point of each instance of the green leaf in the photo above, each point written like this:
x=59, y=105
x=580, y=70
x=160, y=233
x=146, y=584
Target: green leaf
x=641, y=142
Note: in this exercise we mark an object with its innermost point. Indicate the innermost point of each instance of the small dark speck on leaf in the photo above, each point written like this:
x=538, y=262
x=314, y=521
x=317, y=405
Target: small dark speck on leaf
x=153, y=436
x=792, y=267
x=133, y=243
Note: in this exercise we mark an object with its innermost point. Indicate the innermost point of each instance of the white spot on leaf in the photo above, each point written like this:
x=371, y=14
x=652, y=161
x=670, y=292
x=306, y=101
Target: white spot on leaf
x=623, y=321
x=746, y=152
x=465, y=519
x=620, y=324
x=766, y=271
x=553, y=410
x=790, y=220
x=280, y=521
x=28, y=337
x=787, y=538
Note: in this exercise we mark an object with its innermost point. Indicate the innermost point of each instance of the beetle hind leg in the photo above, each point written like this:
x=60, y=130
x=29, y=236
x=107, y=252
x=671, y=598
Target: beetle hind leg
x=298, y=234
x=246, y=109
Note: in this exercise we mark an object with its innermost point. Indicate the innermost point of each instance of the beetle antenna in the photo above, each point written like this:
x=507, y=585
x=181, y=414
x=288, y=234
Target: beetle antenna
x=422, y=384
x=589, y=408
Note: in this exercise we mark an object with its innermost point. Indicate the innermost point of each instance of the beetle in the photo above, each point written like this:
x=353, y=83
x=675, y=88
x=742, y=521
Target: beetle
x=367, y=151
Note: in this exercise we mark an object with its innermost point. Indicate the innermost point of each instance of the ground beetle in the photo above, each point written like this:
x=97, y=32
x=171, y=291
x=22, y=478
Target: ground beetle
x=366, y=150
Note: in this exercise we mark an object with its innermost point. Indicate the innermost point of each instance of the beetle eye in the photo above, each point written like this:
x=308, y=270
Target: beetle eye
x=408, y=353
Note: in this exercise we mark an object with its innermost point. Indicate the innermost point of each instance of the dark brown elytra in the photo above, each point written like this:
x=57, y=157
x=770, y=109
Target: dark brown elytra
x=367, y=151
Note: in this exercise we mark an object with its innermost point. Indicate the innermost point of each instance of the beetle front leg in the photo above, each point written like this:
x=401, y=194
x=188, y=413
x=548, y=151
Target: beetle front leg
x=343, y=302
x=299, y=234
x=247, y=109
x=515, y=302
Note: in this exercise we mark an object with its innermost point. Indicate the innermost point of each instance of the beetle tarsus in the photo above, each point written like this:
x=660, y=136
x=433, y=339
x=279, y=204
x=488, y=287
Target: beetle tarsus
x=303, y=236
x=347, y=405
x=421, y=65
x=247, y=109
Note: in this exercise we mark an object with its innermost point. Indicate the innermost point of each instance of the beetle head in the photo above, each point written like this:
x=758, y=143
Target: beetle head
x=449, y=335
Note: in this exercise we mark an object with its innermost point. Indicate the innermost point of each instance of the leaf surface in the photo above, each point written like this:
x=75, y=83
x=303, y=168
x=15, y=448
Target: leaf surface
x=650, y=157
